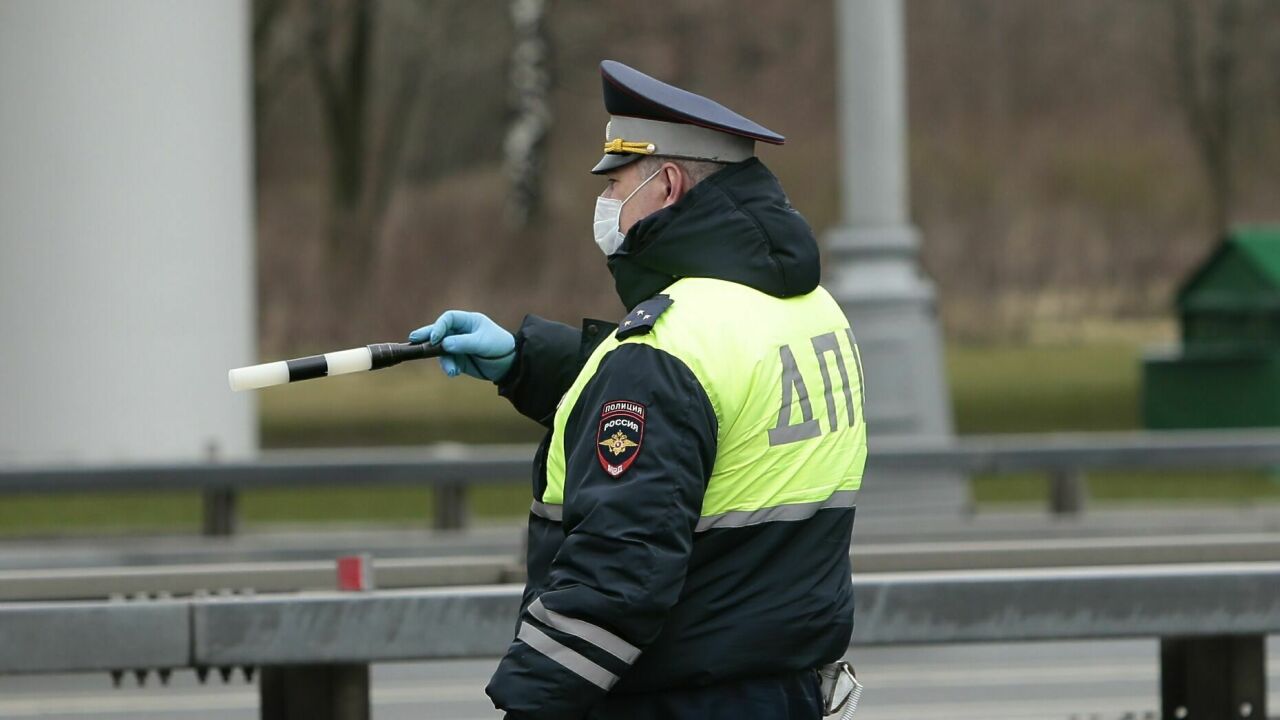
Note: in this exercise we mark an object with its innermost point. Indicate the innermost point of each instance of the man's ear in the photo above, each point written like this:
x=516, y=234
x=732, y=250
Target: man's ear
x=677, y=183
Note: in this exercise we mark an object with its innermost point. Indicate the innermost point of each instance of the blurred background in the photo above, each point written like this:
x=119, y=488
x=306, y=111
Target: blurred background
x=1070, y=164
x=190, y=190
x=1075, y=160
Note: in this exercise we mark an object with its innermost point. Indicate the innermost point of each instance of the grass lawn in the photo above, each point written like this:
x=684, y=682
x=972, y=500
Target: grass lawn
x=1221, y=488
x=130, y=512
x=994, y=390
x=1044, y=389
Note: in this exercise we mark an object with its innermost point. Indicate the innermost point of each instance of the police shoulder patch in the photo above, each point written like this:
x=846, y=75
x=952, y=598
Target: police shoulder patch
x=620, y=435
x=643, y=317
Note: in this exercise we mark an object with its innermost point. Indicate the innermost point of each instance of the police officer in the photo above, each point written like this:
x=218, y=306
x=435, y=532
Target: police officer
x=693, y=500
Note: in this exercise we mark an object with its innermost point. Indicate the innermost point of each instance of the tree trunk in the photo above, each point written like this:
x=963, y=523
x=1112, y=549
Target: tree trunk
x=1207, y=95
x=347, y=267
x=526, y=140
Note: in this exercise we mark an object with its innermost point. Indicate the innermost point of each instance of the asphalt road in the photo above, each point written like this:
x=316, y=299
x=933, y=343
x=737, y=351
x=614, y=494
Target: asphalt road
x=1040, y=681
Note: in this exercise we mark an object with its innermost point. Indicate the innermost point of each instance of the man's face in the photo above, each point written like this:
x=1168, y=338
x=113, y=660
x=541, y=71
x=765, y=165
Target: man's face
x=651, y=198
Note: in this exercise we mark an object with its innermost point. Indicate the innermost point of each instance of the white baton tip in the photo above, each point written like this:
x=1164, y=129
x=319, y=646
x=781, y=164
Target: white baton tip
x=349, y=361
x=258, y=376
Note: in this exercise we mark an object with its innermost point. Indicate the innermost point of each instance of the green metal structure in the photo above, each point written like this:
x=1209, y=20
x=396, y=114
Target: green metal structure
x=1227, y=372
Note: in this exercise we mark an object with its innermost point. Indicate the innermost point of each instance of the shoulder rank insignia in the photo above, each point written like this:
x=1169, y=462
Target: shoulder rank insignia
x=642, y=319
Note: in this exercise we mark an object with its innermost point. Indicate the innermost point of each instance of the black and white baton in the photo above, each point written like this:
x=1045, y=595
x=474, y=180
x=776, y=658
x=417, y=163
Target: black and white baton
x=372, y=357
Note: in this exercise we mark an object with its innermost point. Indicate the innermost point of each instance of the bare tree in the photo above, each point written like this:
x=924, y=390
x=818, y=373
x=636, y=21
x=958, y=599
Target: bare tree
x=266, y=16
x=1206, y=77
x=361, y=178
x=525, y=145
x=278, y=58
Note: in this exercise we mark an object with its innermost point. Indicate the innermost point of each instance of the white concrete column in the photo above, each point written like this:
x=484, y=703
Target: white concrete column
x=873, y=113
x=872, y=261
x=126, y=242
x=872, y=257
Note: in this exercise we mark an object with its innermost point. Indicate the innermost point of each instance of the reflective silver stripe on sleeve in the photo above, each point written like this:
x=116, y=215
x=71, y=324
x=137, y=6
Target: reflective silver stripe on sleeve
x=780, y=513
x=567, y=657
x=548, y=512
x=594, y=634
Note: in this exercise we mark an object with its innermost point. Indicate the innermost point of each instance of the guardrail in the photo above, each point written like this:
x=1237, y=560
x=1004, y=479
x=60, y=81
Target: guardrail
x=100, y=583
x=450, y=469
x=387, y=573
x=314, y=649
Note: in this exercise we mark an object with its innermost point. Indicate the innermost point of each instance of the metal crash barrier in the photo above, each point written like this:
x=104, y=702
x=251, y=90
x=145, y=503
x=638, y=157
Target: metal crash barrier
x=451, y=469
x=314, y=649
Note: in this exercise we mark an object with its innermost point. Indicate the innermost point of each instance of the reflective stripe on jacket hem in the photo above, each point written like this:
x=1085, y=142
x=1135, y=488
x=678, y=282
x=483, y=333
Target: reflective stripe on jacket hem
x=547, y=512
x=779, y=513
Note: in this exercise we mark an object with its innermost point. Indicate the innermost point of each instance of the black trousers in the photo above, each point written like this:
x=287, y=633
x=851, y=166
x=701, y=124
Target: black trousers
x=793, y=696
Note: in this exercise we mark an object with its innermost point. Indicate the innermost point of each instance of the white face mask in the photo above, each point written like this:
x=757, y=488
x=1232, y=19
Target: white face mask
x=608, y=214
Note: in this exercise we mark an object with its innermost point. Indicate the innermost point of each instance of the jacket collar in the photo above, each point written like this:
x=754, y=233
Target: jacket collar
x=735, y=225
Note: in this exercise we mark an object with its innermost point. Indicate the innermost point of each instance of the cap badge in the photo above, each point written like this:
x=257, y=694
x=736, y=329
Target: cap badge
x=618, y=145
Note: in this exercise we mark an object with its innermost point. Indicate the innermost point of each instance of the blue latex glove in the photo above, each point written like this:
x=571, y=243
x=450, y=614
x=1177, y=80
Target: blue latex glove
x=473, y=344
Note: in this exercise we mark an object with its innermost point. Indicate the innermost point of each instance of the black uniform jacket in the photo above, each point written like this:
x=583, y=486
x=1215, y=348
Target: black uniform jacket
x=667, y=609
